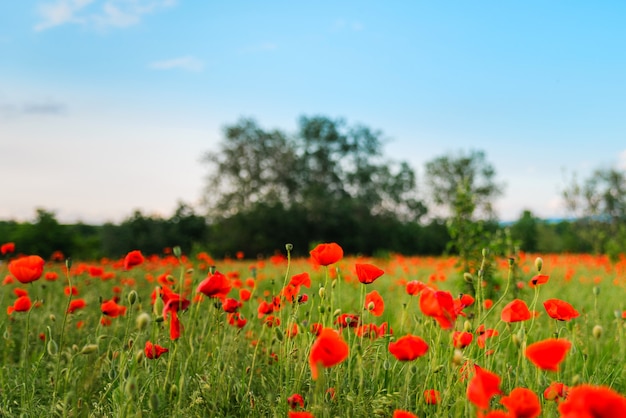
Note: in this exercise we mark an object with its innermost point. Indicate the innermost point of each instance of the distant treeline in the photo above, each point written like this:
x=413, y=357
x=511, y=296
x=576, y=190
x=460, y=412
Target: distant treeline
x=266, y=230
x=330, y=181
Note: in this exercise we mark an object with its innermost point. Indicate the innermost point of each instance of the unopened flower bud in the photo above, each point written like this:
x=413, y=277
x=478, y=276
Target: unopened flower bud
x=371, y=306
x=336, y=313
x=468, y=277
x=457, y=357
x=89, y=348
x=132, y=297
x=142, y=321
x=289, y=247
x=597, y=331
x=177, y=251
x=539, y=264
x=596, y=290
x=321, y=292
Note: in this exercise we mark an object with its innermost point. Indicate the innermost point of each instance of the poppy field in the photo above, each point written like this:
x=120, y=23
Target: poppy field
x=324, y=336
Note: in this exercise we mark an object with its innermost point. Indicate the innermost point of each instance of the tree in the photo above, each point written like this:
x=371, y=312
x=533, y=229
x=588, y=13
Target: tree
x=599, y=207
x=464, y=186
x=333, y=177
x=526, y=230
x=251, y=166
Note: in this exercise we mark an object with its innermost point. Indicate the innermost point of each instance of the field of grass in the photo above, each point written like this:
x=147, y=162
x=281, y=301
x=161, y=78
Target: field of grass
x=290, y=337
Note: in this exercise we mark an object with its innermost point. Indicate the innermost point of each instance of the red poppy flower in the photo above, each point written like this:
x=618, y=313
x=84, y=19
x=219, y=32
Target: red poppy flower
x=154, y=351
x=132, y=259
x=431, y=396
x=51, y=276
x=296, y=400
x=328, y=350
x=236, y=319
x=230, y=305
x=367, y=273
x=20, y=292
x=414, y=287
x=586, y=401
x=482, y=387
x=408, y=348
x=538, y=279
x=174, y=303
x=461, y=339
x=522, y=403
x=112, y=309
x=547, y=354
x=302, y=279
x=27, y=269
x=399, y=413
x=515, y=311
x=438, y=305
x=216, y=285
x=326, y=254
x=374, y=303
x=555, y=391
x=347, y=320
x=21, y=304
x=75, y=305
x=7, y=247
x=300, y=414
x=560, y=310
x=496, y=414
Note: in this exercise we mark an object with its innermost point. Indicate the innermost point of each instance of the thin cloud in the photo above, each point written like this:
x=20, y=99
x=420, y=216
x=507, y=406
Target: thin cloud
x=44, y=108
x=51, y=108
x=187, y=63
x=97, y=13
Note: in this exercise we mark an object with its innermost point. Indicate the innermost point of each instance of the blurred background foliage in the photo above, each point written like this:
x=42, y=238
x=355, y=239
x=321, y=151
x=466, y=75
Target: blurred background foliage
x=330, y=181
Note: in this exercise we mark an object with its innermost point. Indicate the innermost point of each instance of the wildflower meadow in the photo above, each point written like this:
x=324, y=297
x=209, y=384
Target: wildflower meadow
x=329, y=335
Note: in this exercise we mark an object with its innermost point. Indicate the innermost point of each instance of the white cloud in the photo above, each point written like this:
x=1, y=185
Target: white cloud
x=621, y=162
x=187, y=63
x=98, y=13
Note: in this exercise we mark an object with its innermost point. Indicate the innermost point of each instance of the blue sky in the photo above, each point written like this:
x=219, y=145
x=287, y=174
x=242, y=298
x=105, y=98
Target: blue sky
x=106, y=106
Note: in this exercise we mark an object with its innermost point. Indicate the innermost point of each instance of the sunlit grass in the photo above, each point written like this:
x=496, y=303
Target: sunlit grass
x=87, y=364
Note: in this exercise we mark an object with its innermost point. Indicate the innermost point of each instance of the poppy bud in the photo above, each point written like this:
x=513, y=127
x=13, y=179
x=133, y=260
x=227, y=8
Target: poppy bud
x=174, y=390
x=212, y=269
x=516, y=340
x=131, y=386
x=371, y=306
x=177, y=252
x=322, y=292
x=336, y=313
x=321, y=309
x=189, y=271
x=279, y=334
x=457, y=357
x=68, y=263
x=596, y=290
x=539, y=264
x=333, y=283
x=511, y=261
x=467, y=325
x=597, y=331
x=142, y=321
x=89, y=348
x=52, y=317
x=138, y=356
x=52, y=347
x=132, y=297
x=468, y=277
x=485, y=252
x=289, y=247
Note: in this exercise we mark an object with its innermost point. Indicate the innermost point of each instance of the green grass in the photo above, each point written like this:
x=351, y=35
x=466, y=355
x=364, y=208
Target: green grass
x=52, y=367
